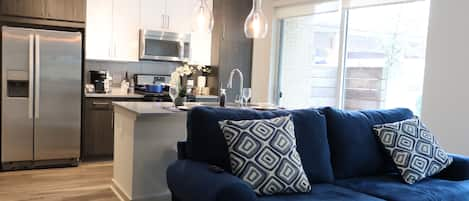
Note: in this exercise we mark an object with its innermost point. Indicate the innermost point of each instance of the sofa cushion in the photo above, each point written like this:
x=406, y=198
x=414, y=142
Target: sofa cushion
x=323, y=192
x=414, y=150
x=312, y=144
x=207, y=144
x=354, y=148
x=392, y=188
x=263, y=154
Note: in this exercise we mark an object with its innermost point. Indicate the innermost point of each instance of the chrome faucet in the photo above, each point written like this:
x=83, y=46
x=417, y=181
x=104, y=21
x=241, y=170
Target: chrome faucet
x=241, y=80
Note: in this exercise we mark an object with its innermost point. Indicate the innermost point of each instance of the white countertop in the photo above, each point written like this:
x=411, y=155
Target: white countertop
x=147, y=108
x=207, y=96
x=115, y=93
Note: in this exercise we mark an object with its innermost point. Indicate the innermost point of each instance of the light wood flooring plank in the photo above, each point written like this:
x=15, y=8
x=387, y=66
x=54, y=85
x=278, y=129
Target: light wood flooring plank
x=88, y=182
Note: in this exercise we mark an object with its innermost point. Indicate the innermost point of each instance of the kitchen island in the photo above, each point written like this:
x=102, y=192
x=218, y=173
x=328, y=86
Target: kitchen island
x=145, y=143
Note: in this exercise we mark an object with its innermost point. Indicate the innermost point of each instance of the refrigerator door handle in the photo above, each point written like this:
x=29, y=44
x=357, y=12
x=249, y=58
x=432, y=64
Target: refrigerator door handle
x=37, y=79
x=31, y=77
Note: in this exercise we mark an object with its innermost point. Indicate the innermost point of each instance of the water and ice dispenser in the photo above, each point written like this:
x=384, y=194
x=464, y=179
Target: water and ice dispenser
x=17, y=84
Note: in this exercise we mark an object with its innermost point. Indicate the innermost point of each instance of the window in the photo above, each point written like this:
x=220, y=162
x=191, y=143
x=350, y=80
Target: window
x=308, y=63
x=385, y=56
x=382, y=64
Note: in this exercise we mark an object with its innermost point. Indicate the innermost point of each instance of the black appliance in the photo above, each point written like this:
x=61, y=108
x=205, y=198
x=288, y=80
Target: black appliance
x=143, y=81
x=97, y=78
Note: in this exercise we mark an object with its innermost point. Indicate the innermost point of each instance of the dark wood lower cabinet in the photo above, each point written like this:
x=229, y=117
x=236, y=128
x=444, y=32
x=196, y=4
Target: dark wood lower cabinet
x=98, y=138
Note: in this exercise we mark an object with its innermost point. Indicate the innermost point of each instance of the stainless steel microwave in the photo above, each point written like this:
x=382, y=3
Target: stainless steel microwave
x=164, y=46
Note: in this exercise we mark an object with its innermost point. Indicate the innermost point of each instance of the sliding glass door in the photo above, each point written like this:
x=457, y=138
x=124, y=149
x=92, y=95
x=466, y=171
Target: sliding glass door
x=308, y=60
x=382, y=64
x=385, y=56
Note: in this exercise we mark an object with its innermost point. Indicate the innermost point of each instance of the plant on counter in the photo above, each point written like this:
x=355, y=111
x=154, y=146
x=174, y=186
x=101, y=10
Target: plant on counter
x=205, y=70
x=177, y=82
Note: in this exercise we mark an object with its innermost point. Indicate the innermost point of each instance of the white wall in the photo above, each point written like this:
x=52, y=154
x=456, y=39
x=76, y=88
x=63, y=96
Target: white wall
x=446, y=88
x=261, y=60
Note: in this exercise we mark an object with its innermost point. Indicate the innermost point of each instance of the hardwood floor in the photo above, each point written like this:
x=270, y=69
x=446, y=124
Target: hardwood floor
x=88, y=182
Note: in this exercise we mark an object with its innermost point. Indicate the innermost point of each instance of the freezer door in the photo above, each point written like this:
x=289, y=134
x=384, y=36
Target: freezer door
x=17, y=95
x=57, y=95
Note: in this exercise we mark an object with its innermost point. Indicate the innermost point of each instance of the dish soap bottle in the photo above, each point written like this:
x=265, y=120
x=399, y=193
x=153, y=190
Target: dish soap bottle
x=222, y=97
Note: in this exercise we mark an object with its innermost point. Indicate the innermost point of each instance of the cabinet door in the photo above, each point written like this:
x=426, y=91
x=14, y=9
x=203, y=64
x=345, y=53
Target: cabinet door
x=125, y=30
x=24, y=8
x=201, y=43
x=99, y=128
x=201, y=48
x=99, y=29
x=180, y=15
x=69, y=10
x=152, y=14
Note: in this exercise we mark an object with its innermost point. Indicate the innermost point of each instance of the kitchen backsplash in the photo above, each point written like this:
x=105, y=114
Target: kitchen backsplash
x=118, y=69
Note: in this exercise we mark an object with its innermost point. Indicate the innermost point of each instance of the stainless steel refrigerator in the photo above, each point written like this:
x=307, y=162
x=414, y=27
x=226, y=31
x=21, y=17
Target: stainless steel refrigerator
x=41, y=97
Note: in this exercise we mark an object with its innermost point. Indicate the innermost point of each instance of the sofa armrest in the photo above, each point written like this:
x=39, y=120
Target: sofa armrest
x=190, y=180
x=458, y=170
x=182, y=150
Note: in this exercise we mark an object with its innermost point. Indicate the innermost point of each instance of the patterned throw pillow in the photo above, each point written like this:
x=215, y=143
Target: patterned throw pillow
x=414, y=150
x=263, y=154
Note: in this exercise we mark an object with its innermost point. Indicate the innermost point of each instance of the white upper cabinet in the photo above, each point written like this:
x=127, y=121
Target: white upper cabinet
x=99, y=29
x=126, y=23
x=112, y=27
x=112, y=30
x=201, y=48
x=153, y=14
x=180, y=15
x=166, y=15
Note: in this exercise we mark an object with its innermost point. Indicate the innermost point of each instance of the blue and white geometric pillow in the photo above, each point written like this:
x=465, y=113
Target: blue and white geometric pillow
x=414, y=150
x=263, y=154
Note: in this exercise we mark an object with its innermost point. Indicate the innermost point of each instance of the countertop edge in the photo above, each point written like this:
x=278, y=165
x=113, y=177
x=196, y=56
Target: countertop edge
x=162, y=111
x=133, y=96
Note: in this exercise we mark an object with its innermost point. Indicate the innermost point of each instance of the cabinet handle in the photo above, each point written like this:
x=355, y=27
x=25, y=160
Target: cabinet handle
x=101, y=104
x=113, y=120
x=167, y=22
x=163, y=21
x=223, y=32
x=111, y=44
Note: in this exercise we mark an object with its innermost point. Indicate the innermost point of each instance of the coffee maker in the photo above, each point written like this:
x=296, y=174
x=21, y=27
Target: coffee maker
x=98, y=80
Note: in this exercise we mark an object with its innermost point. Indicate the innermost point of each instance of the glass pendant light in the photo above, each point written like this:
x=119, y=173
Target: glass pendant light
x=256, y=23
x=202, y=17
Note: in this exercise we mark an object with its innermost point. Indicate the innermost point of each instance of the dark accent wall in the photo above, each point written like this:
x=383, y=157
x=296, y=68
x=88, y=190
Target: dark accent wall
x=230, y=48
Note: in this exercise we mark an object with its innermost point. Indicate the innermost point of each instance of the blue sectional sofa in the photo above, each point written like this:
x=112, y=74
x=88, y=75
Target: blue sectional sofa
x=340, y=154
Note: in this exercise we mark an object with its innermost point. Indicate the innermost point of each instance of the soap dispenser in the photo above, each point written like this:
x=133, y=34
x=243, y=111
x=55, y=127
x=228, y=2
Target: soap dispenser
x=222, y=98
